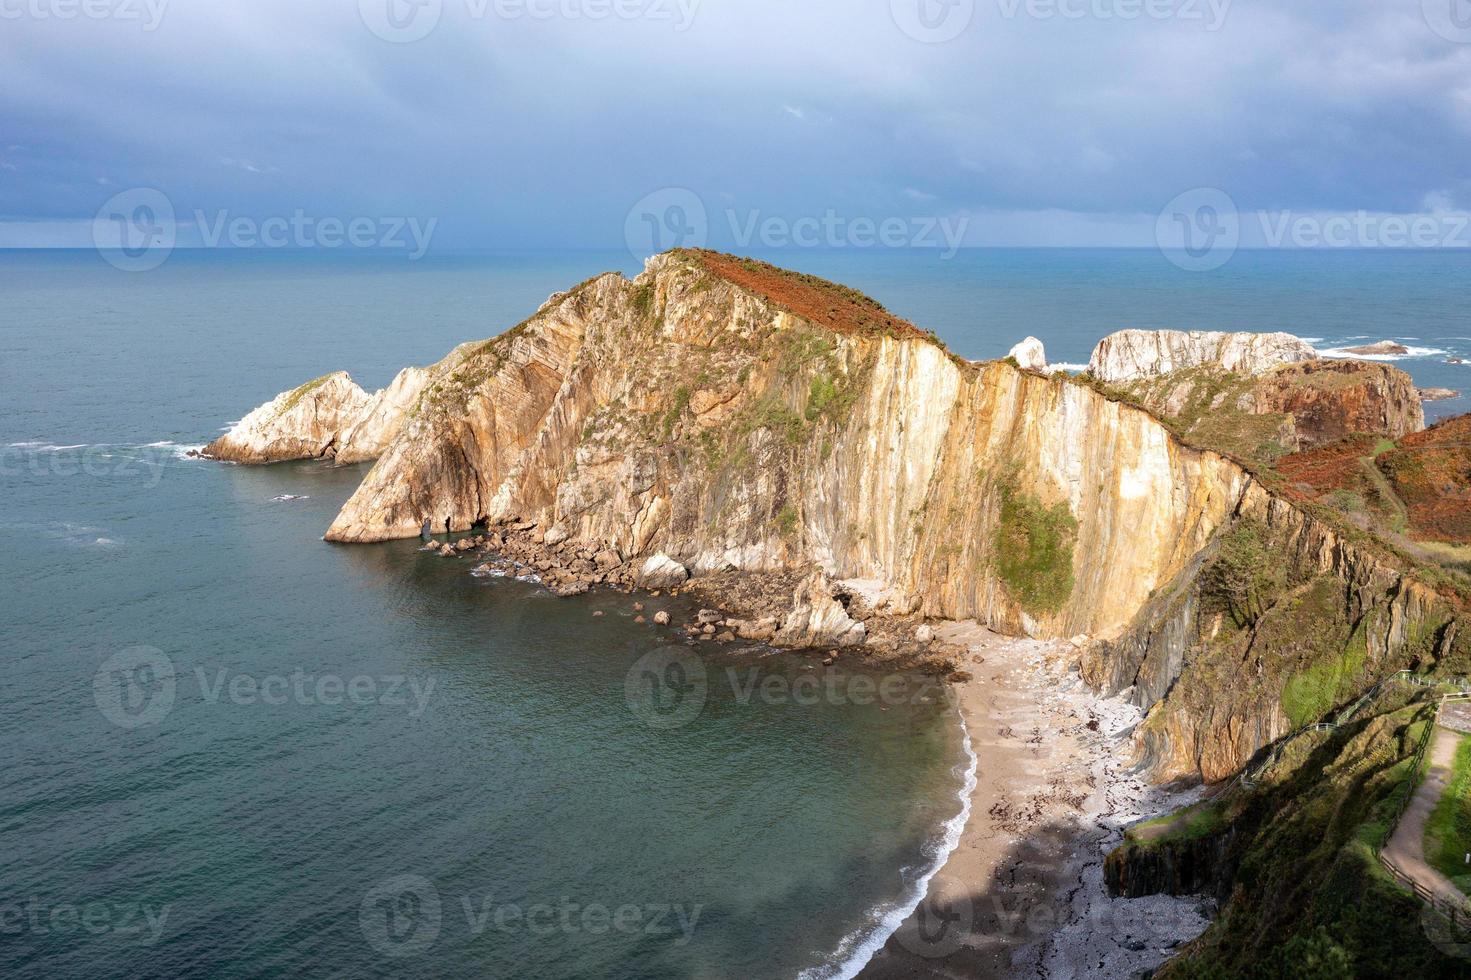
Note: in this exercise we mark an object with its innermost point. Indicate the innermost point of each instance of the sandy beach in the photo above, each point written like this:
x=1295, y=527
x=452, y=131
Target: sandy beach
x=1022, y=894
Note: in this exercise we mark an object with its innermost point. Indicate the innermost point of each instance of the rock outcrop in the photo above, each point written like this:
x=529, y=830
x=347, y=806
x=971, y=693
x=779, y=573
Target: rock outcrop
x=1133, y=355
x=329, y=417
x=1282, y=409
x=730, y=415
x=1029, y=355
x=717, y=416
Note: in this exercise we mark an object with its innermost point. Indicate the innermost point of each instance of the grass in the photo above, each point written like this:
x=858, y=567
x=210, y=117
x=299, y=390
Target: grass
x=293, y=399
x=1034, y=550
x=1448, y=829
x=1192, y=823
x=1310, y=693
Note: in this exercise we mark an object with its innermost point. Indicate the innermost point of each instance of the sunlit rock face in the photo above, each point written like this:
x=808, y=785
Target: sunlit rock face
x=1132, y=355
x=716, y=413
x=329, y=417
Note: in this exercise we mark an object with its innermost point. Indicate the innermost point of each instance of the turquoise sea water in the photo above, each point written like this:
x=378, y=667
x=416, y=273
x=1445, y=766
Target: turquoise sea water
x=228, y=749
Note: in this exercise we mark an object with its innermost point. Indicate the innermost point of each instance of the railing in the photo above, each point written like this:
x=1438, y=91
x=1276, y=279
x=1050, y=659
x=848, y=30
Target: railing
x=1457, y=910
x=1248, y=778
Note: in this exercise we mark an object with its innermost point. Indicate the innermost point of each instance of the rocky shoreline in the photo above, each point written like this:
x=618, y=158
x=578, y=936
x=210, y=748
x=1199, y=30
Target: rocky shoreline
x=799, y=609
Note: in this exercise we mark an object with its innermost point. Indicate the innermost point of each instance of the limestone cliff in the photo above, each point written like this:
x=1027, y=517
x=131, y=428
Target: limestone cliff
x=732, y=416
x=1133, y=355
x=1281, y=409
x=329, y=417
x=728, y=415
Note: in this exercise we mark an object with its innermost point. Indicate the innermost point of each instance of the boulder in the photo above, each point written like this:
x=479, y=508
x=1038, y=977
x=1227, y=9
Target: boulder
x=661, y=617
x=925, y=634
x=1029, y=354
x=555, y=536
x=817, y=619
x=661, y=572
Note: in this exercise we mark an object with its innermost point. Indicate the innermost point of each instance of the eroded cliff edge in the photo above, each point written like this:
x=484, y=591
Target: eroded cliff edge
x=736, y=416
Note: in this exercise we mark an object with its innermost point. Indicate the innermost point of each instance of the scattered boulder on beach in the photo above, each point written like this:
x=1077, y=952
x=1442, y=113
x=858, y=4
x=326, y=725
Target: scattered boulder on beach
x=661, y=572
x=661, y=617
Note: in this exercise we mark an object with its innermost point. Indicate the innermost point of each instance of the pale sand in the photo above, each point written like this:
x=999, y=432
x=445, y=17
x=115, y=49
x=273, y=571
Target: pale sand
x=1022, y=895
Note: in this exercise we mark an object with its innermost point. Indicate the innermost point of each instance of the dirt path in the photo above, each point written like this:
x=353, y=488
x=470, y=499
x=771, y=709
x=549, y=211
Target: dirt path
x=1406, y=848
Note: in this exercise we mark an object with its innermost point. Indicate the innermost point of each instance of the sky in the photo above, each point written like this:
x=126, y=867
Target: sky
x=599, y=123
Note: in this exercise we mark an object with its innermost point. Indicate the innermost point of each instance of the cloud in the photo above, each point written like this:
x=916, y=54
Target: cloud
x=543, y=131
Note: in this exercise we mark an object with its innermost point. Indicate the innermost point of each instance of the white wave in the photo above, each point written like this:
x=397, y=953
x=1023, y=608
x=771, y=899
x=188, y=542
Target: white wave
x=46, y=447
x=1410, y=352
x=288, y=497
x=1065, y=366
x=859, y=946
x=1311, y=340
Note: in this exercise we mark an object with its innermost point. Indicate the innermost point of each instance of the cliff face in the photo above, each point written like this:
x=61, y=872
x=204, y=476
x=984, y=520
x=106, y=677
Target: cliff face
x=330, y=417
x=689, y=414
x=733, y=416
x=1134, y=355
x=1281, y=409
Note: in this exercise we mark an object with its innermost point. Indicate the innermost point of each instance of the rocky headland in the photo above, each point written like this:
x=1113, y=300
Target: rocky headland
x=822, y=473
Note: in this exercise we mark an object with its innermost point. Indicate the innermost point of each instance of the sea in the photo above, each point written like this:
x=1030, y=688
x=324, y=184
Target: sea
x=230, y=749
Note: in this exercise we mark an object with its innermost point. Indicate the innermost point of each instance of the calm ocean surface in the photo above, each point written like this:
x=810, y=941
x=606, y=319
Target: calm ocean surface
x=228, y=749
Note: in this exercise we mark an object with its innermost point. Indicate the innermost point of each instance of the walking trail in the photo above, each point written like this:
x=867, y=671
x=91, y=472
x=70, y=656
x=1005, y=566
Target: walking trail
x=1405, y=851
